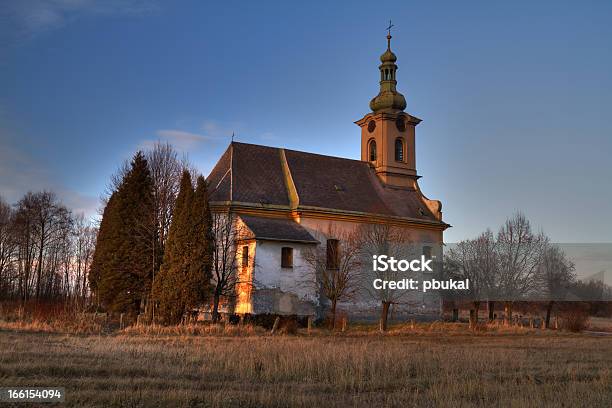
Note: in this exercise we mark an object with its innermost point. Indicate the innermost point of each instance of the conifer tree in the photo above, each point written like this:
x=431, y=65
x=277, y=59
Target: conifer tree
x=102, y=257
x=168, y=285
x=125, y=253
x=200, y=272
x=184, y=278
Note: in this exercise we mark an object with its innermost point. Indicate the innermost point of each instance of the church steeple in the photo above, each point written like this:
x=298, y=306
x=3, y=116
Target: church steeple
x=388, y=133
x=388, y=98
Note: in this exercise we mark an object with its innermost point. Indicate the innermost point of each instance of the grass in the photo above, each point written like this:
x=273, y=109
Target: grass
x=436, y=364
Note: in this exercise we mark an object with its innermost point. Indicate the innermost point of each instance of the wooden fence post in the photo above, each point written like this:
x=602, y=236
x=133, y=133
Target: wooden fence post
x=275, y=326
x=344, y=323
x=309, y=324
x=121, y=322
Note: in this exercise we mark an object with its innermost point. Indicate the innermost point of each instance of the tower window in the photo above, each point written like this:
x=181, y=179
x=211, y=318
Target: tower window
x=333, y=258
x=372, y=150
x=286, y=257
x=399, y=150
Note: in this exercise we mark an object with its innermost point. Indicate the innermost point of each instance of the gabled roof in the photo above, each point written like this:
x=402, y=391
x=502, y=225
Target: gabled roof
x=275, y=229
x=264, y=176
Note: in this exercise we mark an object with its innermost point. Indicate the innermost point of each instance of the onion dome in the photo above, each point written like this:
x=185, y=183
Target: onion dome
x=388, y=99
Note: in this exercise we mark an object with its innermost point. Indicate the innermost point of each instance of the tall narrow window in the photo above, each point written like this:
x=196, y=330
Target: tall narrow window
x=245, y=256
x=333, y=258
x=372, y=150
x=427, y=252
x=286, y=257
x=399, y=150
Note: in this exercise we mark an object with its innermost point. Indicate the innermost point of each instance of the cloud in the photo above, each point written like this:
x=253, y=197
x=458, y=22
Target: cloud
x=208, y=131
x=179, y=139
x=29, y=18
x=215, y=130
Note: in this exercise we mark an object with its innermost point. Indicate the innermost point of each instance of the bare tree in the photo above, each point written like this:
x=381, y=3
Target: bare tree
x=43, y=223
x=45, y=252
x=337, y=266
x=227, y=233
x=166, y=170
x=8, y=250
x=555, y=276
x=519, y=252
x=383, y=239
x=85, y=242
x=476, y=260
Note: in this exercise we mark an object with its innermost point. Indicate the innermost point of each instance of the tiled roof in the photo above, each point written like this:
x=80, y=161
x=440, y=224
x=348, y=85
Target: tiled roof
x=248, y=173
x=276, y=229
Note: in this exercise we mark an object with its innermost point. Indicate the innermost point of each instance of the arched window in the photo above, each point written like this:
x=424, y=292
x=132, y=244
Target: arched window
x=372, y=150
x=399, y=150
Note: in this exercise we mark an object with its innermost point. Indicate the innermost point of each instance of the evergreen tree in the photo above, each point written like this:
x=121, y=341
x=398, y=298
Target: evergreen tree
x=167, y=288
x=103, y=253
x=184, y=277
x=200, y=273
x=124, y=258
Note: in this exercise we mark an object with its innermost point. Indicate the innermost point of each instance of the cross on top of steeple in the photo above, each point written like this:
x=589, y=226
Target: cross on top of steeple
x=389, y=28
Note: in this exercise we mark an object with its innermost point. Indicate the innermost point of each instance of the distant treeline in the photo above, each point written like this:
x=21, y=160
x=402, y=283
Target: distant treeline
x=45, y=249
x=517, y=265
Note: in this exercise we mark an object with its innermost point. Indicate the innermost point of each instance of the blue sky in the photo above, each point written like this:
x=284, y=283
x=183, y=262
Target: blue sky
x=515, y=97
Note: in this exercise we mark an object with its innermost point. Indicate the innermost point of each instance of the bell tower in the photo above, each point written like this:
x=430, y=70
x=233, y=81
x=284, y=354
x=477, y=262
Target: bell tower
x=387, y=133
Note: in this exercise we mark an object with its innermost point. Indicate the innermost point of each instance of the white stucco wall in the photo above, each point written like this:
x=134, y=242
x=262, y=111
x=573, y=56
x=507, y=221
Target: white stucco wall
x=294, y=290
x=366, y=305
x=282, y=290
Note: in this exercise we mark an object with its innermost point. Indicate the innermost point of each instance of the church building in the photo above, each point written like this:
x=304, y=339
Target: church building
x=289, y=202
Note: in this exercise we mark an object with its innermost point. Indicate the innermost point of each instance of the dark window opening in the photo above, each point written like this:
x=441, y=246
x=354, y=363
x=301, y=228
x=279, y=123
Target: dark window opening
x=333, y=258
x=286, y=257
x=245, y=256
x=373, y=150
x=427, y=252
x=399, y=150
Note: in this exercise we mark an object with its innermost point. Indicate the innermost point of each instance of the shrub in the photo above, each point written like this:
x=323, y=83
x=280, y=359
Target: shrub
x=288, y=326
x=574, y=320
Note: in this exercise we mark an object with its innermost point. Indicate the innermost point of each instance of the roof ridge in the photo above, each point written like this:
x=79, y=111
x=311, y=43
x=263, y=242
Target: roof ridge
x=301, y=151
x=231, y=171
x=292, y=193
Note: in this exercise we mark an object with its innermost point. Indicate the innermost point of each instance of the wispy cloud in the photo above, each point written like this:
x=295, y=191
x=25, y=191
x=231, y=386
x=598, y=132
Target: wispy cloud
x=180, y=139
x=28, y=18
x=220, y=131
x=186, y=140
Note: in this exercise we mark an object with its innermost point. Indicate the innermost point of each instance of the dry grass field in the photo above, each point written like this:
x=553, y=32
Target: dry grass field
x=430, y=365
